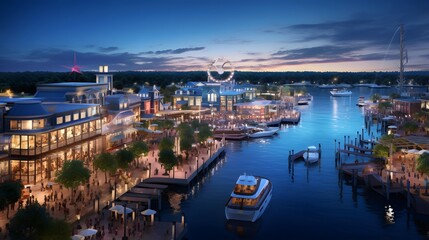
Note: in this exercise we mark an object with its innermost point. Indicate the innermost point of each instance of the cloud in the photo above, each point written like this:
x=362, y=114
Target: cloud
x=326, y=51
x=107, y=49
x=53, y=59
x=231, y=41
x=174, y=51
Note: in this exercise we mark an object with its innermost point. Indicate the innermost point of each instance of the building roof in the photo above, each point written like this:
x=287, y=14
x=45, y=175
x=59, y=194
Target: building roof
x=70, y=84
x=28, y=109
x=66, y=107
x=116, y=98
x=254, y=103
x=410, y=100
x=230, y=93
x=54, y=96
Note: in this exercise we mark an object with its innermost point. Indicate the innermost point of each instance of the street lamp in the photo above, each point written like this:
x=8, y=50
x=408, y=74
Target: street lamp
x=114, y=196
x=125, y=222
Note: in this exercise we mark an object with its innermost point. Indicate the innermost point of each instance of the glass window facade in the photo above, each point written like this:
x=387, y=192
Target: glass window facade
x=33, y=144
x=27, y=124
x=43, y=168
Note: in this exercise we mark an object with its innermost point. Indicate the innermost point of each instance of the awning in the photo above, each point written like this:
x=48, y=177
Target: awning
x=125, y=114
x=147, y=130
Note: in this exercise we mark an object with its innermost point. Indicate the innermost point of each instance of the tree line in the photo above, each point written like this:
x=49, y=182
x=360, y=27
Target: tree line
x=27, y=81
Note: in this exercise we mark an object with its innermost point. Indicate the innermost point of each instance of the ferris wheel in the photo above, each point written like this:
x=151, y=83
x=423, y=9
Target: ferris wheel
x=220, y=70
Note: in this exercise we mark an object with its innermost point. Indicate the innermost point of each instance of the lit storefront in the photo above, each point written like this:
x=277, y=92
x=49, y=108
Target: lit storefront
x=43, y=135
x=52, y=125
x=43, y=167
x=256, y=110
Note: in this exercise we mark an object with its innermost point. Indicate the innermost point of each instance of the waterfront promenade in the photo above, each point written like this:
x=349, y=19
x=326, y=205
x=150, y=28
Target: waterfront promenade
x=91, y=207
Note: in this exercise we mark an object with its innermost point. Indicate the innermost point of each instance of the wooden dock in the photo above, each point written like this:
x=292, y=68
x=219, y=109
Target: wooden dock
x=294, y=157
x=357, y=148
x=185, y=181
x=356, y=153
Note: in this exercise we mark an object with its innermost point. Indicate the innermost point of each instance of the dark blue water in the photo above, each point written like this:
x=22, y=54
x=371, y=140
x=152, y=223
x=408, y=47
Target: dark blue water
x=308, y=205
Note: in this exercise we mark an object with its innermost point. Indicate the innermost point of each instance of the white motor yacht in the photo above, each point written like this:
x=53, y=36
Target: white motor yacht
x=249, y=199
x=340, y=93
x=258, y=132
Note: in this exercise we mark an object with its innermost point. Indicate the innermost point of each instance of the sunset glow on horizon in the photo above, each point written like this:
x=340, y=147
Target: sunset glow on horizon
x=187, y=35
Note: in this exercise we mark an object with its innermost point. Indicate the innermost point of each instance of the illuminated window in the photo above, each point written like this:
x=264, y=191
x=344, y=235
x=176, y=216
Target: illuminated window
x=60, y=120
x=68, y=118
x=76, y=116
x=83, y=114
x=38, y=124
x=212, y=97
x=26, y=125
x=13, y=125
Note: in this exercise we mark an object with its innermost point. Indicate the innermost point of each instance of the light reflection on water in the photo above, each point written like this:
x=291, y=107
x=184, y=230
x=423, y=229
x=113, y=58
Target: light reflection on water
x=305, y=198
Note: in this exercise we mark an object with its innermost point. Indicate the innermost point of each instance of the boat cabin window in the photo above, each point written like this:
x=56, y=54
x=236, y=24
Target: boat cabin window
x=245, y=189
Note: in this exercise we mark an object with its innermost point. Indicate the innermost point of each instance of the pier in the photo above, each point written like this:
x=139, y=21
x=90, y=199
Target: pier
x=188, y=178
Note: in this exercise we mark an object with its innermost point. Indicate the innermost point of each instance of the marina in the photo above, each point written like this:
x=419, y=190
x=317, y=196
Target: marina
x=267, y=157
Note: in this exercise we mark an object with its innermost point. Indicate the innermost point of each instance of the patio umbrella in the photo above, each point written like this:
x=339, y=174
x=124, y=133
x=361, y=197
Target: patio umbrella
x=77, y=237
x=413, y=151
x=148, y=212
x=120, y=209
x=423, y=151
x=88, y=232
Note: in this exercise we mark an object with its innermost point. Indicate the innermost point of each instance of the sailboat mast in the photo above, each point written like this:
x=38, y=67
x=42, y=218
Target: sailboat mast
x=401, y=67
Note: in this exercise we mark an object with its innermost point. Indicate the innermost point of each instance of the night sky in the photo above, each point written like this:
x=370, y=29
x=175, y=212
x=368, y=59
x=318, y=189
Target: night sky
x=180, y=35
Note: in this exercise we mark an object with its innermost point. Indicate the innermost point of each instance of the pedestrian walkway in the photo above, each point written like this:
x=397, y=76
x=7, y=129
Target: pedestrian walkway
x=97, y=196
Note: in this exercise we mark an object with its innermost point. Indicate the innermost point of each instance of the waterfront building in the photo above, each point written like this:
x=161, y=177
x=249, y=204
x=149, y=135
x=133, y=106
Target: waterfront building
x=213, y=95
x=407, y=106
x=72, y=92
x=34, y=129
x=151, y=101
x=257, y=110
x=121, y=111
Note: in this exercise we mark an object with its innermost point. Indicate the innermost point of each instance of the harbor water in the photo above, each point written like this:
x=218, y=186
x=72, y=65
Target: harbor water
x=308, y=202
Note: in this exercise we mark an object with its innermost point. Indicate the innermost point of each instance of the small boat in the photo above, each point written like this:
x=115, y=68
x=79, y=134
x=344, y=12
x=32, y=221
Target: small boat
x=340, y=93
x=302, y=101
x=258, y=132
x=311, y=155
x=249, y=199
x=327, y=86
x=361, y=102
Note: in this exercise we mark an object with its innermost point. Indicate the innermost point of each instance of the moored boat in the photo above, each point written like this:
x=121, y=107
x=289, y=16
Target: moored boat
x=249, y=199
x=340, y=93
x=262, y=132
x=361, y=101
x=311, y=155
